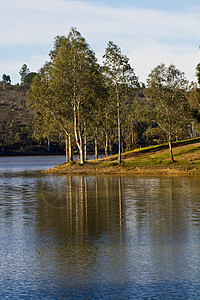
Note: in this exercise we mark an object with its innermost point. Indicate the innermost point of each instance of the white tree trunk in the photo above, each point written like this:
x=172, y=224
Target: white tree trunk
x=119, y=127
x=85, y=145
x=78, y=137
x=96, y=148
x=170, y=148
x=106, y=146
x=119, y=134
x=70, y=149
x=66, y=150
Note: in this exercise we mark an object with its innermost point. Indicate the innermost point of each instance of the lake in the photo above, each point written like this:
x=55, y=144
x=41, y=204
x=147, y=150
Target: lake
x=96, y=237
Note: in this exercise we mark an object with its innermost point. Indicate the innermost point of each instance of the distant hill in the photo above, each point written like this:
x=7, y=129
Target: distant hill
x=16, y=124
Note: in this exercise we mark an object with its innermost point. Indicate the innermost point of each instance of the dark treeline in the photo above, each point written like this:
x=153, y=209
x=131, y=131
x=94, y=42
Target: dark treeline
x=73, y=101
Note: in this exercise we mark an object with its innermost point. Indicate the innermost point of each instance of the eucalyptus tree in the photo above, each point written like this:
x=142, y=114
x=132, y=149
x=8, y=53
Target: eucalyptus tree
x=74, y=81
x=29, y=79
x=68, y=86
x=24, y=71
x=166, y=91
x=198, y=73
x=120, y=78
x=194, y=101
x=6, y=80
x=49, y=118
x=136, y=123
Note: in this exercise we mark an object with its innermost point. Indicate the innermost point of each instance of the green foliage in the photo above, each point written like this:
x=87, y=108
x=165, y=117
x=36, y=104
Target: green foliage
x=66, y=90
x=73, y=96
x=24, y=71
x=117, y=68
x=121, y=79
x=166, y=92
x=194, y=101
x=6, y=80
x=198, y=73
x=28, y=79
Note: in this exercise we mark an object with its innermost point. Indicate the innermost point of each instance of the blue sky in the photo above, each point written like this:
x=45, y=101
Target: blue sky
x=148, y=32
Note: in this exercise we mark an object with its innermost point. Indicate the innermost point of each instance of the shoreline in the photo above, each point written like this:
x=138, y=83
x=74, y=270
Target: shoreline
x=99, y=168
x=153, y=160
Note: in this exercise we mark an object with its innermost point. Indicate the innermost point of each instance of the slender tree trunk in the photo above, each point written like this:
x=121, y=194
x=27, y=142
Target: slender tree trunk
x=81, y=155
x=119, y=135
x=77, y=126
x=70, y=149
x=106, y=145
x=119, y=127
x=85, y=144
x=78, y=136
x=66, y=150
x=96, y=148
x=192, y=130
x=81, y=152
x=170, y=148
x=132, y=141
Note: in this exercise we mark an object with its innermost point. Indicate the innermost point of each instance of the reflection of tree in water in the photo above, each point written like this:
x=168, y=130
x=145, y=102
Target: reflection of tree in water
x=158, y=223
x=90, y=206
x=80, y=206
x=159, y=203
x=116, y=227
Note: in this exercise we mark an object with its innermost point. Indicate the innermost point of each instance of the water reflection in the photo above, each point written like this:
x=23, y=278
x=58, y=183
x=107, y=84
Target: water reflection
x=104, y=237
x=128, y=229
x=87, y=206
x=81, y=206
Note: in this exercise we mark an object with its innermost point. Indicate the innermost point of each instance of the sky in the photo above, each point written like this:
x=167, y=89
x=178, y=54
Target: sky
x=148, y=32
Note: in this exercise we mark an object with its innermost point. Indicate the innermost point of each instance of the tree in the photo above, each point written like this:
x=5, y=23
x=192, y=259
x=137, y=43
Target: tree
x=68, y=86
x=198, y=73
x=135, y=124
x=194, y=101
x=75, y=81
x=40, y=100
x=166, y=91
x=6, y=79
x=120, y=77
x=5, y=125
x=24, y=71
x=28, y=79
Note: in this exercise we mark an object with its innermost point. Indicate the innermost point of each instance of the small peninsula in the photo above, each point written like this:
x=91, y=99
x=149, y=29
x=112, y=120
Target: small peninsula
x=154, y=160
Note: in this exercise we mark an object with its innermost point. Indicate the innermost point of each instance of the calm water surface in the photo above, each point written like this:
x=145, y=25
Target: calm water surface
x=87, y=237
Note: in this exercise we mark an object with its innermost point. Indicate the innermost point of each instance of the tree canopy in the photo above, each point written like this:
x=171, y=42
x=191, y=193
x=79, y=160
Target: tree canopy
x=120, y=78
x=105, y=107
x=166, y=91
x=69, y=86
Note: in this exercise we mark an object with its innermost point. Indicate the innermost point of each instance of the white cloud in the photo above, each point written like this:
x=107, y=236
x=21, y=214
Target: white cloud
x=37, y=21
x=144, y=59
x=148, y=37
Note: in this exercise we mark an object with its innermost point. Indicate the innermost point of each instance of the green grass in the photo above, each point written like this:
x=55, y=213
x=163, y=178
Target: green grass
x=152, y=160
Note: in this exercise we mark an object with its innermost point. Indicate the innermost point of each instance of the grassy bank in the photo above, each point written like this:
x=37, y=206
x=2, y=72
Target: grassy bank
x=150, y=161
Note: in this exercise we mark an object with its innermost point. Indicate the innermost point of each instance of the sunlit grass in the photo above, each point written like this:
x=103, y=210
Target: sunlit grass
x=152, y=160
